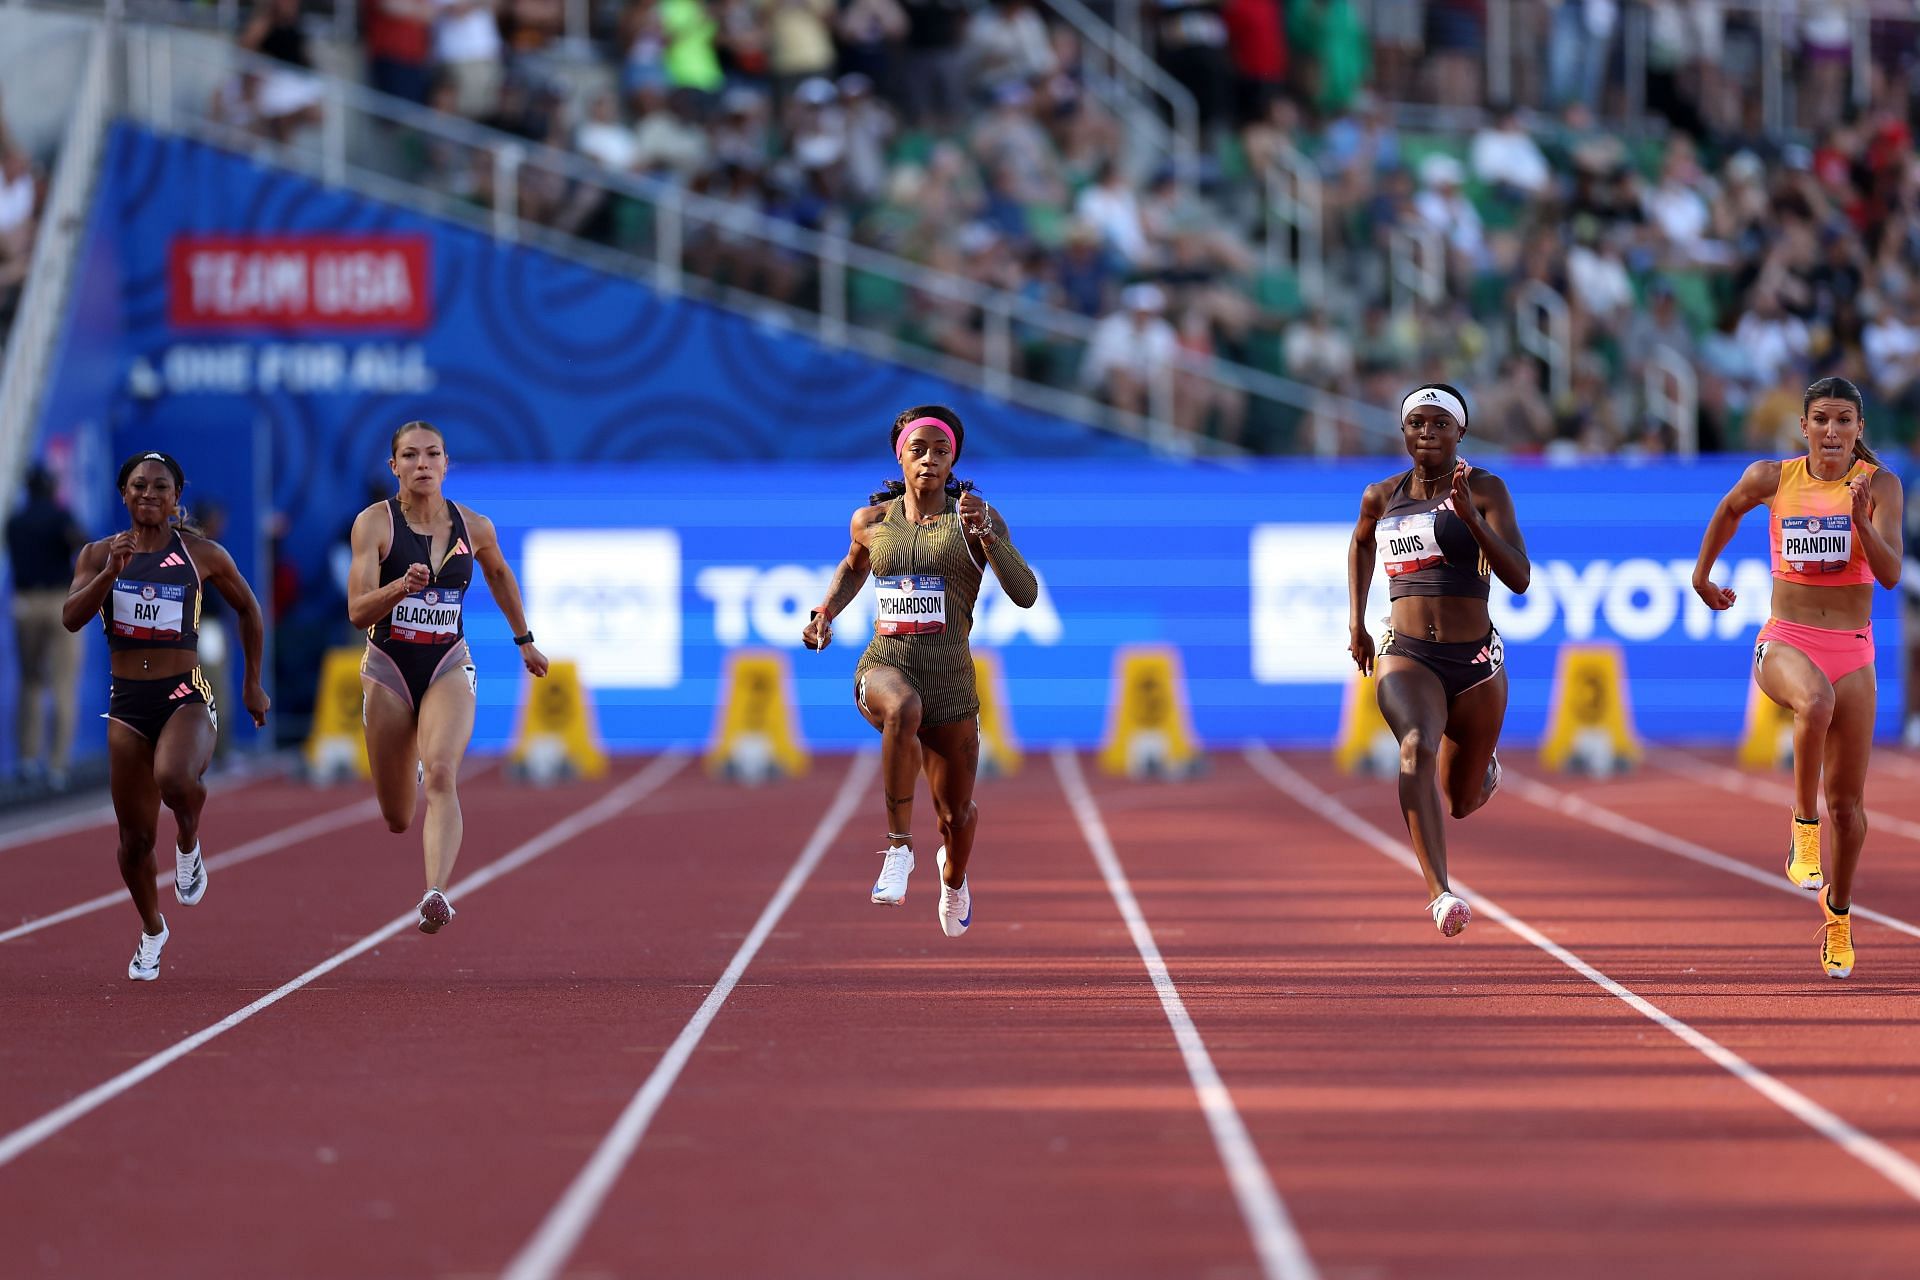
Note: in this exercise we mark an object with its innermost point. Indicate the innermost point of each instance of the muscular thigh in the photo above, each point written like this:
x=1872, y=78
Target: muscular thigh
x=391, y=749
x=952, y=762
x=1850, y=738
x=1410, y=695
x=1473, y=728
x=446, y=718
x=136, y=797
x=1788, y=676
x=186, y=743
x=883, y=691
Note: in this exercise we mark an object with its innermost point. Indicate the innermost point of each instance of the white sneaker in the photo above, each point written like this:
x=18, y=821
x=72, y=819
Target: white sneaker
x=1450, y=913
x=189, y=876
x=1494, y=774
x=435, y=911
x=890, y=890
x=956, y=905
x=145, y=966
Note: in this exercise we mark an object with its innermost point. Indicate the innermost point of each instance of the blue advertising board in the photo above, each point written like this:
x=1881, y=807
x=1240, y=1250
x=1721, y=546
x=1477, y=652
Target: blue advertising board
x=650, y=576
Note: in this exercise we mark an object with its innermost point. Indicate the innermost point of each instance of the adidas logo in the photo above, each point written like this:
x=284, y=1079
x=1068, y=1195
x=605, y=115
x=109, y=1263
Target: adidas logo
x=459, y=548
x=184, y=691
x=173, y=561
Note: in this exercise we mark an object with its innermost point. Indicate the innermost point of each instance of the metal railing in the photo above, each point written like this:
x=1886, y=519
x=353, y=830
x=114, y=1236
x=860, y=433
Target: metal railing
x=1011, y=346
x=43, y=304
x=1543, y=328
x=1671, y=391
x=1296, y=220
x=1416, y=266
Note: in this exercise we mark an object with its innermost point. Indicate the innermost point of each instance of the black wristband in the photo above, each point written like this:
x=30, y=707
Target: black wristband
x=525, y=639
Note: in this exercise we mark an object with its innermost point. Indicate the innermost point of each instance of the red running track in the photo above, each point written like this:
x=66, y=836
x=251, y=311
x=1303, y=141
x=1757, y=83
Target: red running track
x=874, y=1099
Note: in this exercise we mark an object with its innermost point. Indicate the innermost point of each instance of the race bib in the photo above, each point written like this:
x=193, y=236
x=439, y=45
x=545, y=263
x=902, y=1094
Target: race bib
x=910, y=604
x=148, y=610
x=1816, y=544
x=431, y=616
x=1408, y=543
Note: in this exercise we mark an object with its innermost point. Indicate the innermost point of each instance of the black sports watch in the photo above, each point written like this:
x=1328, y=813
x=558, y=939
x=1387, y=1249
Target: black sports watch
x=525, y=639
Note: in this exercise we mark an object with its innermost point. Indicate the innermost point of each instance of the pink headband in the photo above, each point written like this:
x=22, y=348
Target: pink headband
x=906, y=433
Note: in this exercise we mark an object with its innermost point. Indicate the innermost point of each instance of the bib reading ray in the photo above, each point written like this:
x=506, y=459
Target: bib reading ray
x=910, y=604
x=148, y=610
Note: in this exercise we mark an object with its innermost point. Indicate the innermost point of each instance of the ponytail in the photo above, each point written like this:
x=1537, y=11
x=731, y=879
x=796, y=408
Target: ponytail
x=1863, y=454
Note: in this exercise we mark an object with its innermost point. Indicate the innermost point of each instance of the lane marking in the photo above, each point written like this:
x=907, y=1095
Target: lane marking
x=319, y=824
x=1282, y=1254
x=1557, y=801
x=1876, y=1155
x=1717, y=775
x=273, y=842
x=99, y=813
x=567, y=1222
x=603, y=810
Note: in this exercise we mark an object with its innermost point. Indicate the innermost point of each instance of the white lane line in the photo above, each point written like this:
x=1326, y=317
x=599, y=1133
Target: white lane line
x=1876, y=1155
x=1282, y=1254
x=99, y=813
x=319, y=824
x=1716, y=775
x=1556, y=801
x=566, y=1223
x=608, y=807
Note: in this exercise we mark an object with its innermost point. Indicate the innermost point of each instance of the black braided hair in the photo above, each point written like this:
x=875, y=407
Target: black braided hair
x=181, y=518
x=891, y=489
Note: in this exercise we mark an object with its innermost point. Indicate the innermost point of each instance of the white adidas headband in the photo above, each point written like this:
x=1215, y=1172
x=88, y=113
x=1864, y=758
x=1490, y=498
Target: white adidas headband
x=1439, y=399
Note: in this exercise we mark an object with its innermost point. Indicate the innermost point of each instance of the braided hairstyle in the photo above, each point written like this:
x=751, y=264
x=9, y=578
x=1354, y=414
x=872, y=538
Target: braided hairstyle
x=181, y=519
x=1837, y=388
x=891, y=489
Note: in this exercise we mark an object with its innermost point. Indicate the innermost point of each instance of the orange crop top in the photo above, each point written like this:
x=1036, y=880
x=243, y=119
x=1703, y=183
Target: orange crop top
x=1811, y=528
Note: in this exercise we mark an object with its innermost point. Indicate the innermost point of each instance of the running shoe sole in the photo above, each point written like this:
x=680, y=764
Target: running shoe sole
x=1458, y=917
x=1809, y=885
x=435, y=914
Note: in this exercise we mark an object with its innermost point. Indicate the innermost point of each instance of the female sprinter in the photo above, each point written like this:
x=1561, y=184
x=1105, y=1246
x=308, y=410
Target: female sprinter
x=1441, y=673
x=146, y=585
x=413, y=558
x=1835, y=527
x=927, y=539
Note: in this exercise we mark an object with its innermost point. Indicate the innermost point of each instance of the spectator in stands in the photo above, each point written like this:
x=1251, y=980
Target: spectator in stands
x=1511, y=413
x=1330, y=38
x=1202, y=403
x=399, y=40
x=869, y=33
x=21, y=194
x=799, y=42
x=1110, y=205
x=468, y=50
x=1456, y=47
x=42, y=540
x=867, y=128
x=1011, y=141
x=1677, y=208
x=604, y=137
x=1777, y=342
x=1442, y=206
x=1131, y=351
x=1506, y=158
x=289, y=95
x=1316, y=352
x=1190, y=38
x=1658, y=324
x=1891, y=342
x=668, y=140
x=1005, y=42
x=1086, y=269
x=1581, y=38
x=1257, y=37
x=1599, y=290
x=689, y=46
x=936, y=71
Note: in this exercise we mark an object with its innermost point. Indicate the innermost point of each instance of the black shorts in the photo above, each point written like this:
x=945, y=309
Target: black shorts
x=1460, y=666
x=145, y=706
x=409, y=670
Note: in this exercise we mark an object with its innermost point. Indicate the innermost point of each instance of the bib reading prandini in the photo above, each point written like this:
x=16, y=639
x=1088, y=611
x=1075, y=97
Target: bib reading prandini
x=1408, y=543
x=148, y=610
x=1816, y=544
x=431, y=616
x=910, y=604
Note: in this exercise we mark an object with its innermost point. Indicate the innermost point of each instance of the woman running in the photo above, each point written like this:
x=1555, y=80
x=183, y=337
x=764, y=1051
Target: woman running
x=927, y=539
x=146, y=584
x=1834, y=522
x=1441, y=675
x=413, y=558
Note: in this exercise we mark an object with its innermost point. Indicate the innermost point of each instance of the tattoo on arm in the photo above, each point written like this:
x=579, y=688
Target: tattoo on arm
x=845, y=586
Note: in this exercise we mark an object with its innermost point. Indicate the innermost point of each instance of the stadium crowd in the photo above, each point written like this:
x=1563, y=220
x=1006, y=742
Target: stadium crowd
x=962, y=134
